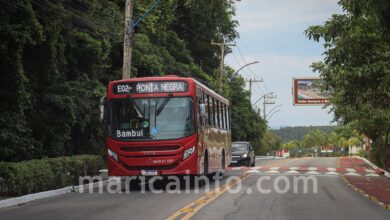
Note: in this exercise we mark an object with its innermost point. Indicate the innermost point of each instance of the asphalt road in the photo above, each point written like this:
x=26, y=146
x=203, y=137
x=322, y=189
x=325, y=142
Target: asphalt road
x=332, y=200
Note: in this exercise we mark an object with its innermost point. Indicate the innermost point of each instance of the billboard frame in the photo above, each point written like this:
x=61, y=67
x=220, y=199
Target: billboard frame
x=311, y=101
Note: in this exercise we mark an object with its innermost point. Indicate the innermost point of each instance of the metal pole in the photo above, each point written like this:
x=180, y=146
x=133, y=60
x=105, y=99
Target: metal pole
x=127, y=40
x=222, y=65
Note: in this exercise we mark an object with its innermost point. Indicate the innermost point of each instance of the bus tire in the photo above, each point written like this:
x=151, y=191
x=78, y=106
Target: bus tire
x=223, y=161
x=206, y=164
x=221, y=173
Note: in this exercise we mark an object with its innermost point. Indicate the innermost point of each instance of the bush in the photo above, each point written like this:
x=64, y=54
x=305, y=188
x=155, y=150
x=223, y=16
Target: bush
x=46, y=174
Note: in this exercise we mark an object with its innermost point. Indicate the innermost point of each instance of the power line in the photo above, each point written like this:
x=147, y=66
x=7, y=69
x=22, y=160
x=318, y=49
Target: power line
x=239, y=64
x=243, y=58
x=222, y=47
x=49, y=18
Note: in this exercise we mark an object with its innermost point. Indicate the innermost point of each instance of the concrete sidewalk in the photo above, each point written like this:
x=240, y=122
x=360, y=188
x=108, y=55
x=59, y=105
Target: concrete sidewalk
x=376, y=189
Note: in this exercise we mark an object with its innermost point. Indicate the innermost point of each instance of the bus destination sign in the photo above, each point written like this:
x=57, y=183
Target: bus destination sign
x=150, y=87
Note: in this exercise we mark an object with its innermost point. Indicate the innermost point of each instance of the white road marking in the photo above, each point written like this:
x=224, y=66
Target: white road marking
x=369, y=171
x=272, y=171
x=372, y=175
x=352, y=174
x=312, y=172
x=253, y=171
x=292, y=172
x=332, y=173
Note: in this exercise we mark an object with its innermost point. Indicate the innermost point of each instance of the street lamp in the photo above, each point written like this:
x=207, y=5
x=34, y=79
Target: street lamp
x=271, y=93
x=246, y=66
x=273, y=114
x=273, y=109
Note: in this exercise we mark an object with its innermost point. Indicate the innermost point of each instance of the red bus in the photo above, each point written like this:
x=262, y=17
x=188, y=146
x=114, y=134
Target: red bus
x=166, y=126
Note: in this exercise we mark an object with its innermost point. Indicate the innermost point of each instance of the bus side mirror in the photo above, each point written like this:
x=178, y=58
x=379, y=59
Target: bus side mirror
x=102, y=105
x=202, y=110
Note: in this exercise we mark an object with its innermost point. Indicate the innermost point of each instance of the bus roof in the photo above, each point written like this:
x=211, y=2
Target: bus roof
x=174, y=77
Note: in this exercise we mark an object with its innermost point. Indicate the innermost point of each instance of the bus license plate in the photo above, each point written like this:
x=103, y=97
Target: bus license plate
x=149, y=172
x=234, y=161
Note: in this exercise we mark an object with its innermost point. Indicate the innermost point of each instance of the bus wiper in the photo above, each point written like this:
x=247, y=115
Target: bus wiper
x=136, y=105
x=165, y=102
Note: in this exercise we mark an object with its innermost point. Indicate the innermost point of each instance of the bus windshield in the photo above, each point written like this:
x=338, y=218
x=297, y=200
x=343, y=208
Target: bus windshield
x=162, y=118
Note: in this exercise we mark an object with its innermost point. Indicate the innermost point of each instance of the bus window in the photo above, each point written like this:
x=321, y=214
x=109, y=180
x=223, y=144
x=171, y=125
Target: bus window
x=218, y=114
x=212, y=115
x=223, y=115
x=228, y=117
x=209, y=109
x=205, y=101
x=214, y=109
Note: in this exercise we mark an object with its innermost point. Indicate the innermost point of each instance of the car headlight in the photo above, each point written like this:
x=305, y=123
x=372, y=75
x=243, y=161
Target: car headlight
x=245, y=155
x=113, y=155
x=188, y=152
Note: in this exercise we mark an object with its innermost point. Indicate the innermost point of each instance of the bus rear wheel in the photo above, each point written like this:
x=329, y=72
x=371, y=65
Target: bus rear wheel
x=206, y=164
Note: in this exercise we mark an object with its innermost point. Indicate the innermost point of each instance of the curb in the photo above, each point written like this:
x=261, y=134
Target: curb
x=31, y=197
x=385, y=173
x=363, y=193
x=46, y=194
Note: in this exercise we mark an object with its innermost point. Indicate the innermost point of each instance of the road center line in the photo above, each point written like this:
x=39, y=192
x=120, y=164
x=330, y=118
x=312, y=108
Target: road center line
x=192, y=208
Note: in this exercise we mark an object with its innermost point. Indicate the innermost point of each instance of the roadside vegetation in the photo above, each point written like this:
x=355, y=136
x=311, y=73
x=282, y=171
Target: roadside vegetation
x=57, y=57
x=341, y=139
x=19, y=178
x=356, y=70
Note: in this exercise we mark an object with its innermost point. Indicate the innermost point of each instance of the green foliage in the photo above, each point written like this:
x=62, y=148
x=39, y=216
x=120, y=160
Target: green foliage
x=57, y=56
x=269, y=142
x=356, y=68
x=46, y=174
x=292, y=144
x=314, y=139
x=287, y=134
x=246, y=123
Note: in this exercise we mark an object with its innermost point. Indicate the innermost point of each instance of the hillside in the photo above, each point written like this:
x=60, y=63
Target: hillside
x=287, y=134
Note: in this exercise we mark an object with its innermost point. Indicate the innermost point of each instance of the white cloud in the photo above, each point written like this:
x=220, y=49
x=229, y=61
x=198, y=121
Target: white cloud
x=271, y=32
x=255, y=15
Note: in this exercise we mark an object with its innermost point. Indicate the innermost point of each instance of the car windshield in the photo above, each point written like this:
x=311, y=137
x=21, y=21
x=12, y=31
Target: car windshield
x=239, y=147
x=151, y=118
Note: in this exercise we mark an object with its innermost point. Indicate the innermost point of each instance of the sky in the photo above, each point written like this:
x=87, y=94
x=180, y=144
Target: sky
x=272, y=32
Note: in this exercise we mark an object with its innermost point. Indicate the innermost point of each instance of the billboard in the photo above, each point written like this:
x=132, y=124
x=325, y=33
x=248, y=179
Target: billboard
x=309, y=91
x=326, y=149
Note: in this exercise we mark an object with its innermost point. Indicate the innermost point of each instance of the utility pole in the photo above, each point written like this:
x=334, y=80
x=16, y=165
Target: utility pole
x=267, y=102
x=127, y=40
x=251, y=81
x=222, y=46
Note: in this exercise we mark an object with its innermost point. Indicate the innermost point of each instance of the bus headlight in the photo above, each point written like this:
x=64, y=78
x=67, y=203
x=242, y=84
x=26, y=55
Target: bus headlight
x=113, y=155
x=188, y=152
x=245, y=155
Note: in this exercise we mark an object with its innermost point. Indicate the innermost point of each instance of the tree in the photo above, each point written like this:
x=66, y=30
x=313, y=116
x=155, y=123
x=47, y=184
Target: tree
x=246, y=124
x=270, y=142
x=57, y=57
x=291, y=145
x=314, y=139
x=356, y=68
